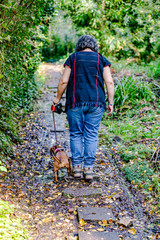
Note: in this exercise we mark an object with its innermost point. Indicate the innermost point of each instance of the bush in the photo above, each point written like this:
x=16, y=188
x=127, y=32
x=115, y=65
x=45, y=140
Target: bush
x=139, y=173
x=11, y=227
x=135, y=151
x=19, y=58
x=58, y=44
x=123, y=28
x=130, y=90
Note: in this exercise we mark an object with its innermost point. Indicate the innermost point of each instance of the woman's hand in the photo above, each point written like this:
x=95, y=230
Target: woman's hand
x=109, y=110
x=56, y=100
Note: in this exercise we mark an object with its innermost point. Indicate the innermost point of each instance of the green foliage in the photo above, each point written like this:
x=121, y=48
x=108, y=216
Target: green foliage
x=2, y=168
x=61, y=38
x=150, y=69
x=134, y=151
x=135, y=154
x=130, y=90
x=11, y=227
x=134, y=125
x=139, y=130
x=21, y=23
x=127, y=156
x=140, y=173
x=156, y=183
x=123, y=29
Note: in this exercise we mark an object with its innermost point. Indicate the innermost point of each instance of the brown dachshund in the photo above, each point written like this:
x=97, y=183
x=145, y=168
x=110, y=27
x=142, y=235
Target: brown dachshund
x=60, y=160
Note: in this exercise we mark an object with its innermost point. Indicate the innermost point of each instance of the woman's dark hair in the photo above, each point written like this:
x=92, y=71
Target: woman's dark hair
x=87, y=41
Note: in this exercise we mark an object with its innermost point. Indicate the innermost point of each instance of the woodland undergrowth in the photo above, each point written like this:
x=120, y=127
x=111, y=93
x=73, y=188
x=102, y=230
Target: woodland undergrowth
x=128, y=34
x=133, y=133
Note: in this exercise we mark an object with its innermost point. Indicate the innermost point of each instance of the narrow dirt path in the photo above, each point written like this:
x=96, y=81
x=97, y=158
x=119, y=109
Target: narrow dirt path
x=30, y=181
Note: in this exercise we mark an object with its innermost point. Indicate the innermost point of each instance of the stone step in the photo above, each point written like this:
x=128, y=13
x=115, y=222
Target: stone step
x=98, y=235
x=95, y=214
x=82, y=192
x=58, y=130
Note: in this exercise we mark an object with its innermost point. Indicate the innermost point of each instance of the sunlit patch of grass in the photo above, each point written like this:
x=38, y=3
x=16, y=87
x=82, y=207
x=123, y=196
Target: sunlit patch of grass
x=130, y=90
x=139, y=173
x=150, y=69
x=137, y=127
x=10, y=226
x=135, y=151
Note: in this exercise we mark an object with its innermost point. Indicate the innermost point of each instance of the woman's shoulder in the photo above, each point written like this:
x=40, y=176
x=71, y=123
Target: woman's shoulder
x=104, y=60
x=69, y=60
x=101, y=56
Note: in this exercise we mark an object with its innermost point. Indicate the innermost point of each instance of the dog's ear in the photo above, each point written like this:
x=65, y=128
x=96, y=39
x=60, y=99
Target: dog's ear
x=51, y=150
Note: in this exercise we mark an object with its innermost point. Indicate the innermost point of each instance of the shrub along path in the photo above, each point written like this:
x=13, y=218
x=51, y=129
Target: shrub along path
x=47, y=212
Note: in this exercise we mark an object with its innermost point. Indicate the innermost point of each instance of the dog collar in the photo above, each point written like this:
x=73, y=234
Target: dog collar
x=58, y=149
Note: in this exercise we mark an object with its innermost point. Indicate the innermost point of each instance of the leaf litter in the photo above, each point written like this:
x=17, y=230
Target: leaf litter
x=46, y=212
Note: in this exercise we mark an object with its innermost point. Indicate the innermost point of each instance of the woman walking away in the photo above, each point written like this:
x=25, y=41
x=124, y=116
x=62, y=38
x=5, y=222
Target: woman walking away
x=84, y=76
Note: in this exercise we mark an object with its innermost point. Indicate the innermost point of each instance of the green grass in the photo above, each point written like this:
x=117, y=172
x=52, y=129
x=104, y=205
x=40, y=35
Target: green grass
x=10, y=226
x=139, y=172
x=130, y=90
x=134, y=125
x=138, y=128
x=150, y=70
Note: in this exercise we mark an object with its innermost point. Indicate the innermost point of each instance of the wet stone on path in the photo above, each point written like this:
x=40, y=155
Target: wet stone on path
x=98, y=235
x=58, y=130
x=95, y=214
x=81, y=192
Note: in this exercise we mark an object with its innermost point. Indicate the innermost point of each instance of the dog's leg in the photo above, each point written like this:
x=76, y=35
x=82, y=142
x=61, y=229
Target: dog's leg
x=69, y=169
x=55, y=176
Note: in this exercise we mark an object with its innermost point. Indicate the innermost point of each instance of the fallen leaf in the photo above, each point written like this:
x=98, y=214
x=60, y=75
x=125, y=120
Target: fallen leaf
x=71, y=210
x=132, y=231
x=82, y=222
x=100, y=229
x=104, y=222
x=46, y=220
x=110, y=221
x=21, y=195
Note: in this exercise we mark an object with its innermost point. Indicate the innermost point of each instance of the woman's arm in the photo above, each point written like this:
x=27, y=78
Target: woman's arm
x=110, y=88
x=63, y=82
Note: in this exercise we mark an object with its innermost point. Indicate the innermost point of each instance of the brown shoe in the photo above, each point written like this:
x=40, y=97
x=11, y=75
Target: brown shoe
x=77, y=171
x=88, y=173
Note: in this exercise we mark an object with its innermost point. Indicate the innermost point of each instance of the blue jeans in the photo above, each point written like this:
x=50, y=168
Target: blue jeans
x=84, y=123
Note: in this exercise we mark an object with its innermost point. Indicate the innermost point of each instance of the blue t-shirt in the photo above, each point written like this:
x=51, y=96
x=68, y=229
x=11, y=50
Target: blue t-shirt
x=86, y=84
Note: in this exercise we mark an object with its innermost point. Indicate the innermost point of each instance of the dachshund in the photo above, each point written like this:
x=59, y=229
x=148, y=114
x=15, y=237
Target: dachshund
x=61, y=160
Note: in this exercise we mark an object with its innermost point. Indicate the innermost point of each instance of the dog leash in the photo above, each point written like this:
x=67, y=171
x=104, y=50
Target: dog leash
x=53, y=108
x=58, y=109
